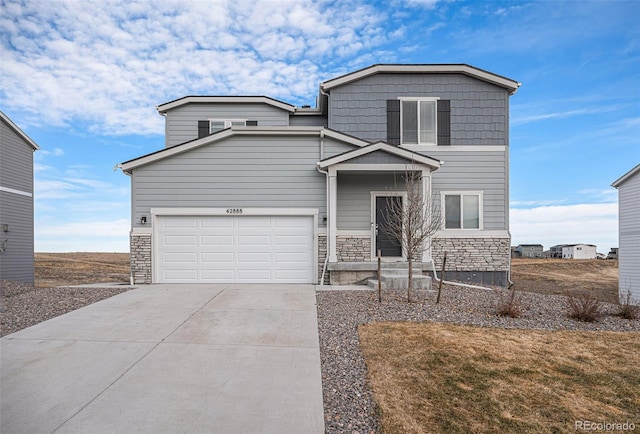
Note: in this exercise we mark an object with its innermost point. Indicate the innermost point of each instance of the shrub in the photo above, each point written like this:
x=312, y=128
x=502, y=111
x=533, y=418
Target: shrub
x=511, y=306
x=629, y=309
x=584, y=307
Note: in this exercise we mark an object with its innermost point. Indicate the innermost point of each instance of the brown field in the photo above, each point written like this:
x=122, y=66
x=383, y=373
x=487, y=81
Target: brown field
x=562, y=276
x=59, y=269
x=446, y=378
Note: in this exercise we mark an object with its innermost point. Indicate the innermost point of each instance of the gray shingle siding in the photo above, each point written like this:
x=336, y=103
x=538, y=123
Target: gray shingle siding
x=479, y=110
x=182, y=122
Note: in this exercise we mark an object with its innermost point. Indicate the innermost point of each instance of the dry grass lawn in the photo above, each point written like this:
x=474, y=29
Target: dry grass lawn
x=446, y=378
x=562, y=276
x=59, y=269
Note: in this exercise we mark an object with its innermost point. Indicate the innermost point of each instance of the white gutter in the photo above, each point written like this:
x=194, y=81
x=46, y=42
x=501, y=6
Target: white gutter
x=326, y=174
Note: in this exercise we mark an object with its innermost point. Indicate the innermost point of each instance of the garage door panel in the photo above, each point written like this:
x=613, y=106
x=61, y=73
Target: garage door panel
x=179, y=222
x=217, y=258
x=180, y=240
x=187, y=258
x=216, y=240
x=228, y=249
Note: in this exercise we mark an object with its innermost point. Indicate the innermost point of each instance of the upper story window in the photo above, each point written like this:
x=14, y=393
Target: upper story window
x=221, y=124
x=418, y=121
x=462, y=210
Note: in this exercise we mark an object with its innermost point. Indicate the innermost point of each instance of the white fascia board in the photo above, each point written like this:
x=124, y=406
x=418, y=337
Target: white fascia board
x=625, y=177
x=380, y=146
x=507, y=83
x=471, y=233
x=162, y=108
x=14, y=191
x=234, y=212
x=18, y=131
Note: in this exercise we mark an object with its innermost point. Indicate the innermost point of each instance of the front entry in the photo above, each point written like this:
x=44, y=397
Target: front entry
x=387, y=245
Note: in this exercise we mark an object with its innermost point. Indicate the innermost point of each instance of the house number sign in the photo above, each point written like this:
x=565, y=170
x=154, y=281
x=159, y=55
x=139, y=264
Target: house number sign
x=234, y=210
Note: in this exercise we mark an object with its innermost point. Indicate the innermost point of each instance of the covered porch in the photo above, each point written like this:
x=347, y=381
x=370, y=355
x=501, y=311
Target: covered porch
x=362, y=185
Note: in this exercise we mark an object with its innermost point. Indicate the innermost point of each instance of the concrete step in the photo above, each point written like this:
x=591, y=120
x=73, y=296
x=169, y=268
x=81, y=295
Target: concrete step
x=394, y=281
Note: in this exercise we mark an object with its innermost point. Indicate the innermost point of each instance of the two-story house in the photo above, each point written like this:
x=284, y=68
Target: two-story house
x=528, y=251
x=252, y=189
x=16, y=202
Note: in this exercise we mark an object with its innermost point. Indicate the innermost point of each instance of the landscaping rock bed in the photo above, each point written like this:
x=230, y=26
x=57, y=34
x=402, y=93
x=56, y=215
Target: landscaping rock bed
x=348, y=402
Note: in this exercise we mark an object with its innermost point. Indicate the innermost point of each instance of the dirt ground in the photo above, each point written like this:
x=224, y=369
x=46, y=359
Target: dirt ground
x=562, y=276
x=58, y=269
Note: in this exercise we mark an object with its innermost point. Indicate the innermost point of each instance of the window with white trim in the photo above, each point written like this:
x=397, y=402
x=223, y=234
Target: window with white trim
x=462, y=210
x=221, y=124
x=418, y=121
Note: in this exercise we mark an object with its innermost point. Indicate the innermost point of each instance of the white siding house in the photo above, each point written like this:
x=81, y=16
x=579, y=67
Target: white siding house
x=579, y=251
x=628, y=187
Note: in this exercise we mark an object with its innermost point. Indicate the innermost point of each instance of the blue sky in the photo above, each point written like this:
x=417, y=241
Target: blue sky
x=82, y=78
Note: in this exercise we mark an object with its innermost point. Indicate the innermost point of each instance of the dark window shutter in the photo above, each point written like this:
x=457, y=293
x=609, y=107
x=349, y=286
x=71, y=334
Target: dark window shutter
x=393, y=121
x=444, y=122
x=252, y=123
x=203, y=129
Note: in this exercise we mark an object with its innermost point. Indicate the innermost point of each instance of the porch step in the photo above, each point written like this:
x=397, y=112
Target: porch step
x=399, y=279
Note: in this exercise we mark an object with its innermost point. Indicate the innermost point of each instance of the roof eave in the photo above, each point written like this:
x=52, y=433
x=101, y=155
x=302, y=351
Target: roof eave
x=618, y=182
x=469, y=70
x=163, y=108
x=19, y=132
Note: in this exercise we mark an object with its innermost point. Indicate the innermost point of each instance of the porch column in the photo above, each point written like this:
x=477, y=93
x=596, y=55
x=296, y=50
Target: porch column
x=426, y=200
x=332, y=224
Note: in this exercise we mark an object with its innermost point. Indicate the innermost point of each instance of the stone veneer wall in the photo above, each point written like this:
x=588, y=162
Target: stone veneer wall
x=473, y=254
x=353, y=248
x=322, y=255
x=141, y=258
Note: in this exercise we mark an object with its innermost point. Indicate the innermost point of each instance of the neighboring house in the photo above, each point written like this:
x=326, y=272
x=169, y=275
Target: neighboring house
x=555, y=251
x=579, y=251
x=528, y=251
x=613, y=253
x=628, y=186
x=252, y=189
x=16, y=202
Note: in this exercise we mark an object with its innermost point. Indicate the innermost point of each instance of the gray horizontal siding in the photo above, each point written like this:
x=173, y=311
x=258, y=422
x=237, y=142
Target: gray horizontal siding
x=354, y=196
x=16, y=262
x=479, y=110
x=239, y=172
x=182, y=122
x=308, y=120
x=333, y=147
x=629, y=232
x=379, y=157
x=462, y=171
x=476, y=171
x=16, y=162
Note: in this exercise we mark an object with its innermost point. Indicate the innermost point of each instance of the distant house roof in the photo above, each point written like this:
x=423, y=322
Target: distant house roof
x=618, y=182
x=163, y=108
x=18, y=131
x=529, y=245
x=507, y=83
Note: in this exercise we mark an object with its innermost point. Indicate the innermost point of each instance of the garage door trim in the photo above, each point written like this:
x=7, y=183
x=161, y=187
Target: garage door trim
x=231, y=212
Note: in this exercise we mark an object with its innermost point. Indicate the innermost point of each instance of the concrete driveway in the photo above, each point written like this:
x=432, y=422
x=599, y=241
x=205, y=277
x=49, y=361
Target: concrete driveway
x=168, y=359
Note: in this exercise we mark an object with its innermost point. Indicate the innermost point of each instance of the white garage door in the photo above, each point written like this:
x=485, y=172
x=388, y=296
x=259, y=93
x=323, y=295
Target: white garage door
x=229, y=249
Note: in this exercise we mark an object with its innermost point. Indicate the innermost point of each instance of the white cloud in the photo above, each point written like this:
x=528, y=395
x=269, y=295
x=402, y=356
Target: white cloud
x=109, y=63
x=595, y=223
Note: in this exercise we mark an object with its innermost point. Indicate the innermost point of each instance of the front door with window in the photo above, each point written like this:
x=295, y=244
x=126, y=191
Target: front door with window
x=388, y=246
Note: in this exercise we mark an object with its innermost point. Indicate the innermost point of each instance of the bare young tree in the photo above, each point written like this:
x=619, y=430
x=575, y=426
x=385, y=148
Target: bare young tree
x=412, y=224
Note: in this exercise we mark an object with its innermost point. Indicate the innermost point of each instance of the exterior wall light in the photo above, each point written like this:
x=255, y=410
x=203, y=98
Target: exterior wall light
x=5, y=227
x=143, y=219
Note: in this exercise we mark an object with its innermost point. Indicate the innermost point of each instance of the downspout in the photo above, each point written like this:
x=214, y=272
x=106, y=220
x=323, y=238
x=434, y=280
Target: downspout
x=326, y=174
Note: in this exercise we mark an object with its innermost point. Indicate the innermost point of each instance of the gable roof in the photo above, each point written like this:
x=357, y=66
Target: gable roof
x=380, y=146
x=618, y=182
x=462, y=68
x=18, y=131
x=129, y=165
x=163, y=108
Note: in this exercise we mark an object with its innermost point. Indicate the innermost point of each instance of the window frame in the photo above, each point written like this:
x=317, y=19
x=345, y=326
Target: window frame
x=418, y=100
x=461, y=194
x=227, y=124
